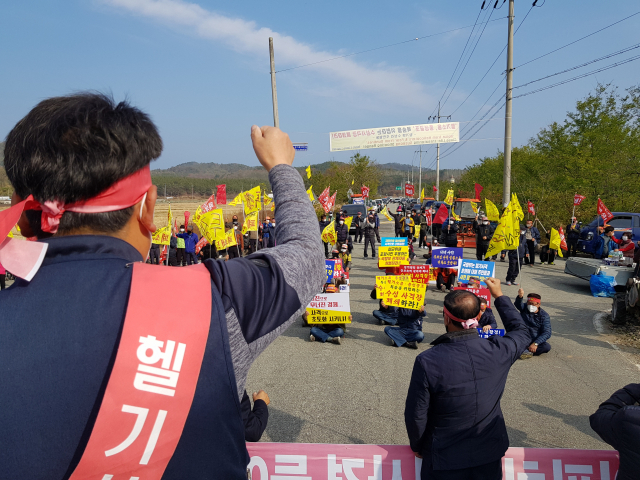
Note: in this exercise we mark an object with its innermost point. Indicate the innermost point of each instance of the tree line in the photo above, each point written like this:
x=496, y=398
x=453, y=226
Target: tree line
x=594, y=152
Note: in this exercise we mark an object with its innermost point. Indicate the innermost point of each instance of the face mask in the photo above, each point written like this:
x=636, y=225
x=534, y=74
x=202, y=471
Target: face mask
x=182, y=230
x=273, y=223
x=344, y=250
x=235, y=228
x=485, y=223
x=341, y=222
x=529, y=226
x=625, y=238
x=532, y=308
x=450, y=222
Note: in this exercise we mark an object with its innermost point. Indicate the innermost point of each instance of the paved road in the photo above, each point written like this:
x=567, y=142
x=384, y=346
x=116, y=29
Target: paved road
x=355, y=393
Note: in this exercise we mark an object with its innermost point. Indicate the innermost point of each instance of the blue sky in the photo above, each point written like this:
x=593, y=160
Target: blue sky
x=201, y=69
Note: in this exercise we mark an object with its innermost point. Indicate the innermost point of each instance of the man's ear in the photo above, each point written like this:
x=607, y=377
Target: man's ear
x=148, y=208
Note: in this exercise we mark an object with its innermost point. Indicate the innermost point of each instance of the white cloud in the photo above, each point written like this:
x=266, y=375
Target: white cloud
x=248, y=38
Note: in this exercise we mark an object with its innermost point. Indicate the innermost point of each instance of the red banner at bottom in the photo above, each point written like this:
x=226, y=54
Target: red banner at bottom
x=305, y=461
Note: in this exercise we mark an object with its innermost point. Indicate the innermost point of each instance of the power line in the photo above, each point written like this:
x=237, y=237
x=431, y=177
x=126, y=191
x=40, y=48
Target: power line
x=619, y=52
x=384, y=46
x=576, y=41
x=602, y=69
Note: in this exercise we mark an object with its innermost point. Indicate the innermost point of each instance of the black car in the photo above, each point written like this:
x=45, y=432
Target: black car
x=352, y=211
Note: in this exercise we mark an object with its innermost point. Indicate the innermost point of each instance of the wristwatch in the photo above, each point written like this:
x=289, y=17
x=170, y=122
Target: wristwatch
x=536, y=344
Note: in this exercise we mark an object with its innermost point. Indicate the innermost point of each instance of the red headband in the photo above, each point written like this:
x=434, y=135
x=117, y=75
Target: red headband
x=466, y=324
x=24, y=258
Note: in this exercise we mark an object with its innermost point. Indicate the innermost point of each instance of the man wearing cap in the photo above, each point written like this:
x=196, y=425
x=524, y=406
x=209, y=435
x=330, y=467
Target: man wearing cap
x=538, y=322
x=104, y=373
x=452, y=411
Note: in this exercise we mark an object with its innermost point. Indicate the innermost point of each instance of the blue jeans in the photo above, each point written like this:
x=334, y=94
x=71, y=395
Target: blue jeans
x=403, y=335
x=324, y=336
x=380, y=315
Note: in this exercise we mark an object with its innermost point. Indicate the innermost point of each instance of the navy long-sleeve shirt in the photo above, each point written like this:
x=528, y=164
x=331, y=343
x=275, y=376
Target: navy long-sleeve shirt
x=255, y=420
x=539, y=323
x=487, y=318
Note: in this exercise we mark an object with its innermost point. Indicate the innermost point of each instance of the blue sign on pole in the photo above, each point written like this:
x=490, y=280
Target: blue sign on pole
x=475, y=269
x=445, y=257
x=491, y=333
x=394, y=242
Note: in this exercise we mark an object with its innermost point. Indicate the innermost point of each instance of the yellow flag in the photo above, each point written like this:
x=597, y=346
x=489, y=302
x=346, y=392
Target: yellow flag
x=554, y=241
x=310, y=193
x=250, y=223
x=348, y=221
x=162, y=236
x=230, y=238
x=517, y=209
x=352, y=181
x=422, y=196
x=449, y=199
x=252, y=201
x=454, y=216
x=210, y=224
x=506, y=236
x=474, y=206
x=492, y=211
x=329, y=233
x=236, y=201
x=169, y=217
x=309, y=171
x=385, y=212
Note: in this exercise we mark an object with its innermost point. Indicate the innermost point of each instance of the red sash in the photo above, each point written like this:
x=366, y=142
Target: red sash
x=154, y=377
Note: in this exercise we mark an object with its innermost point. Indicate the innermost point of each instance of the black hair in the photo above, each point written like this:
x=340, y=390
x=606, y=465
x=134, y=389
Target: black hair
x=181, y=226
x=462, y=304
x=74, y=147
x=483, y=300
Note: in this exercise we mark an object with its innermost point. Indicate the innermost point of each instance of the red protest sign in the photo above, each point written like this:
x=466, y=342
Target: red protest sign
x=408, y=190
x=419, y=273
x=365, y=191
x=478, y=292
x=201, y=243
x=603, y=211
x=577, y=199
x=531, y=207
x=209, y=204
x=186, y=218
x=563, y=242
x=221, y=195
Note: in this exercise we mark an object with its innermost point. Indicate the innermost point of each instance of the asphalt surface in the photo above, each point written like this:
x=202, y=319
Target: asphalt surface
x=355, y=392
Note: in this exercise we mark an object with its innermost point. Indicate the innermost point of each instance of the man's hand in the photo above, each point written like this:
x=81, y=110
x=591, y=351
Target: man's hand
x=417, y=455
x=494, y=287
x=261, y=395
x=484, y=238
x=520, y=292
x=421, y=309
x=272, y=146
x=486, y=328
x=532, y=348
x=382, y=304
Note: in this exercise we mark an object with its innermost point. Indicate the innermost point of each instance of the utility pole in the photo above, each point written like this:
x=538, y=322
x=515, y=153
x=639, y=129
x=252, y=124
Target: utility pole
x=274, y=91
x=438, y=153
x=506, y=182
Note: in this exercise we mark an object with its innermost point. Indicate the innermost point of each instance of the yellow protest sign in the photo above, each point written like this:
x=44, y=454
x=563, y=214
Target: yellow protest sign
x=308, y=171
x=310, y=193
x=385, y=212
x=169, y=217
x=236, y=201
x=329, y=308
x=517, y=209
x=252, y=200
x=348, y=221
x=210, y=224
x=383, y=280
x=422, y=196
x=329, y=233
x=402, y=294
x=507, y=234
x=455, y=216
x=162, y=236
x=449, y=199
x=229, y=240
x=393, y=256
x=474, y=206
x=492, y=211
x=555, y=241
x=250, y=223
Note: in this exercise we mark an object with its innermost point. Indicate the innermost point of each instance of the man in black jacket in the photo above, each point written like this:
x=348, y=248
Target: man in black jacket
x=449, y=234
x=452, y=411
x=323, y=223
x=617, y=421
x=484, y=232
x=342, y=231
x=573, y=235
x=357, y=224
x=370, y=235
x=255, y=421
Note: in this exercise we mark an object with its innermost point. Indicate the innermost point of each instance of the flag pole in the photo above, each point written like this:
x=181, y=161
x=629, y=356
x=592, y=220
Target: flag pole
x=574, y=205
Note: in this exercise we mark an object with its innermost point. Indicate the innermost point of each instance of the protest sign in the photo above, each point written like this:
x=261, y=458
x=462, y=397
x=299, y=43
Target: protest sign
x=210, y=224
x=329, y=233
x=162, y=236
x=394, y=241
x=419, y=273
x=479, y=292
x=252, y=200
x=400, y=293
x=329, y=308
x=445, y=257
x=491, y=333
x=328, y=267
x=393, y=256
x=475, y=269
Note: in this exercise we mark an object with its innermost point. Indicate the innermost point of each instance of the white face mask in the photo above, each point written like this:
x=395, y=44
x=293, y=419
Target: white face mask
x=485, y=223
x=529, y=226
x=235, y=228
x=344, y=250
x=450, y=222
x=625, y=237
x=532, y=308
x=182, y=230
x=341, y=222
x=273, y=223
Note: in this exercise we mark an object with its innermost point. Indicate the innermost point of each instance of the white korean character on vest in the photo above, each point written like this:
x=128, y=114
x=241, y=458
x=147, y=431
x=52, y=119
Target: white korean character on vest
x=158, y=379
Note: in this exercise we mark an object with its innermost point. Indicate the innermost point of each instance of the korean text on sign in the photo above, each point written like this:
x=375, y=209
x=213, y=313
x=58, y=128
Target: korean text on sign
x=404, y=294
x=394, y=242
x=418, y=273
x=445, y=257
x=475, y=269
x=478, y=292
x=393, y=256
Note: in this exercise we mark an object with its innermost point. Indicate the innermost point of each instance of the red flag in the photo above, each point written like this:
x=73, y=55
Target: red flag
x=563, y=242
x=365, y=191
x=330, y=203
x=531, y=207
x=604, y=212
x=577, y=199
x=221, y=195
x=209, y=204
x=479, y=189
x=186, y=219
x=175, y=226
x=441, y=215
x=324, y=196
x=427, y=216
x=163, y=255
x=435, y=189
x=201, y=243
x=408, y=190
